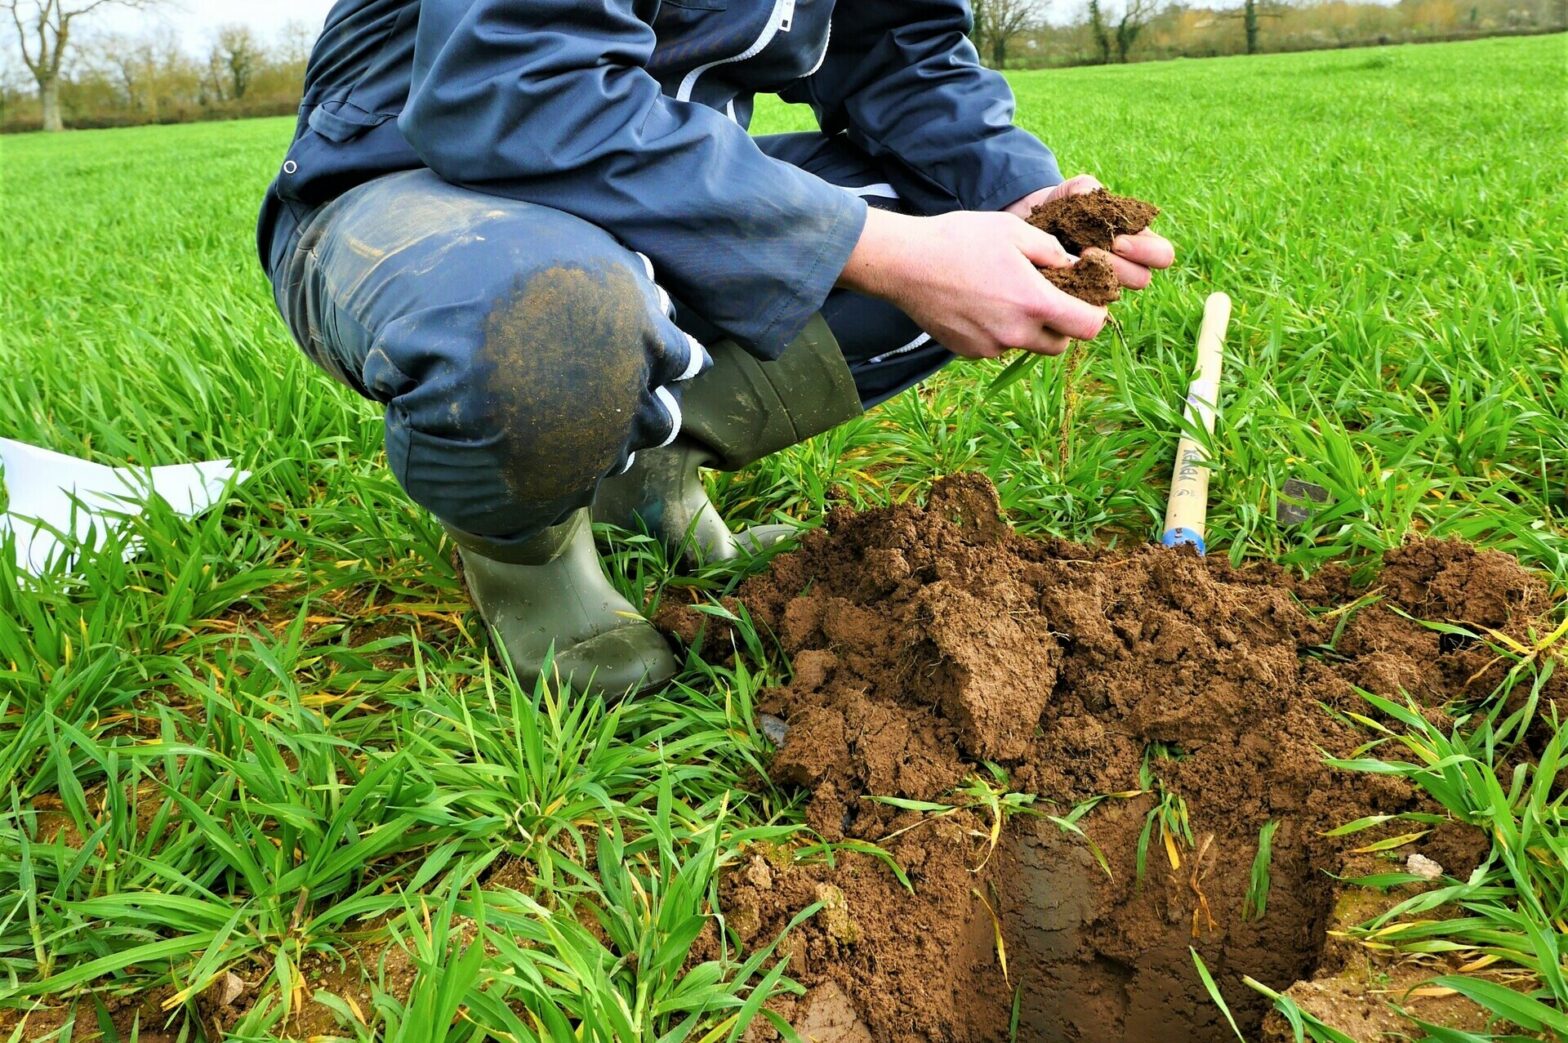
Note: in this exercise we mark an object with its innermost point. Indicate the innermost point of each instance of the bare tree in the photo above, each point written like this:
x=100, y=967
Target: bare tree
x=1135, y=16
x=140, y=66
x=998, y=21
x=43, y=27
x=237, y=53
x=125, y=61
x=294, y=43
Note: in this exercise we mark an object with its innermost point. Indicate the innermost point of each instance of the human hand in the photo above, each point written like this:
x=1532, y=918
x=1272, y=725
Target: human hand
x=971, y=280
x=1133, y=256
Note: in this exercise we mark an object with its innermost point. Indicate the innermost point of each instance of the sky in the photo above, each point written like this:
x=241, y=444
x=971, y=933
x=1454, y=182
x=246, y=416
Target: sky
x=196, y=19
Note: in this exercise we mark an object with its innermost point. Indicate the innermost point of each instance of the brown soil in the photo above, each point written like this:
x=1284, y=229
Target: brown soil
x=1093, y=221
x=1092, y=279
x=1352, y=984
x=141, y=1012
x=1086, y=223
x=927, y=641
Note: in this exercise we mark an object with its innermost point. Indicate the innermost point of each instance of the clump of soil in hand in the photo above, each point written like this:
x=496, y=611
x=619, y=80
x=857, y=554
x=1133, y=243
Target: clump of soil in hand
x=1093, y=220
x=1092, y=279
x=931, y=643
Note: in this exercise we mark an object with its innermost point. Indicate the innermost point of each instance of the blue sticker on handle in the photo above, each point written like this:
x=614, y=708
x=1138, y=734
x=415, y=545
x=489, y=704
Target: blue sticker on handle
x=1185, y=538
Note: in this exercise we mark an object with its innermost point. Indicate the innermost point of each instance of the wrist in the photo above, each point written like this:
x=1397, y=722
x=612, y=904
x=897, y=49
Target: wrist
x=876, y=265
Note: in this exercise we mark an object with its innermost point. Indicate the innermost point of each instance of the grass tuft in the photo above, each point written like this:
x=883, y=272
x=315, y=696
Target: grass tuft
x=1256, y=903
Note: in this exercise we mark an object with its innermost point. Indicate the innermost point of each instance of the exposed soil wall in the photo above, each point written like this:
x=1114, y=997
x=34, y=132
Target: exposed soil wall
x=930, y=642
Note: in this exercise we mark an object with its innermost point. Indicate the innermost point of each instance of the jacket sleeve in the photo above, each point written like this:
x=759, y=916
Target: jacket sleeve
x=902, y=80
x=550, y=101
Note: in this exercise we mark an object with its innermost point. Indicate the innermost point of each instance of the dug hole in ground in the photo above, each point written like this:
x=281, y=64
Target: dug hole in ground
x=942, y=659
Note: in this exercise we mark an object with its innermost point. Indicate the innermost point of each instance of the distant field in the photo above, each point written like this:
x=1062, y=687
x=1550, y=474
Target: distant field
x=270, y=757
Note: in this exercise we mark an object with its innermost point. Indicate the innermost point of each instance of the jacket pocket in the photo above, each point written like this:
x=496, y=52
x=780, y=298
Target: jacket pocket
x=373, y=87
x=341, y=120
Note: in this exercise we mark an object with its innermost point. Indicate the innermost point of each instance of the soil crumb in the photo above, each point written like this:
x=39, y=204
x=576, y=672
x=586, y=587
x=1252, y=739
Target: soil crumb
x=1087, y=223
x=1092, y=279
x=1093, y=221
x=940, y=657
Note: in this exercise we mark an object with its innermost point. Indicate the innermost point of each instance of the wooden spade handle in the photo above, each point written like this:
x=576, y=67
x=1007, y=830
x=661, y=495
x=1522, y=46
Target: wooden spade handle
x=1187, y=514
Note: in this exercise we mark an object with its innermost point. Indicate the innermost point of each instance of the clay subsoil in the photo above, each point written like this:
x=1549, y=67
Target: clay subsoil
x=932, y=645
x=1090, y=222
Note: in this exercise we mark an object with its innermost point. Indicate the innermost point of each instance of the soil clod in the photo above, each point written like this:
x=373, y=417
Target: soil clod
x=940, y=657
x=1092, y=280
x=1093, y=221
x=1086, y=223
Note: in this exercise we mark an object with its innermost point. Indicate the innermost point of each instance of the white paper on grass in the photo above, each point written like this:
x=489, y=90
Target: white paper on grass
x=51, y=492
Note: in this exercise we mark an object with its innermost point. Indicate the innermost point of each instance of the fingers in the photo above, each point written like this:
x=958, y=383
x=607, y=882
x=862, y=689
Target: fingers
x=1131, y=275
x=1051, y=344
x=1037, y=340
x=1146, y=249
x=1079, y=321
x=1068, y=319
x=1081, y=185
x=1042, y=248
x=1136, y=256
x=1042, y=341
x=1062, y=315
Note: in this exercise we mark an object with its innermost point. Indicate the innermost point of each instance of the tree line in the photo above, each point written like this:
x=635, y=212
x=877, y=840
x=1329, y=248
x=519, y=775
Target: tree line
x=1031, y=33
x=61, y=71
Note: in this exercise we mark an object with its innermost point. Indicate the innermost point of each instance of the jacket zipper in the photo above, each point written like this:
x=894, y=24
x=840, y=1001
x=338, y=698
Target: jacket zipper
x=827, y=43
x=782, y=19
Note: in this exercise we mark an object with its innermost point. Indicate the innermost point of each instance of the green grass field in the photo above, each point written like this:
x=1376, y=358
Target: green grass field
x=269, y=755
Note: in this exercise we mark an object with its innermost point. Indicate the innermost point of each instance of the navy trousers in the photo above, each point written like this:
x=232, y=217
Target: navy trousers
x=521, y=354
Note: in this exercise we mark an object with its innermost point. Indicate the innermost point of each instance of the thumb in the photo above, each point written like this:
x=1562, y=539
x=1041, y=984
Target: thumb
x=1042, y=248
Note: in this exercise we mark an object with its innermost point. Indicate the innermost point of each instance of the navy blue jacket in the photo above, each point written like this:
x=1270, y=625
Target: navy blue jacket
x=632, y=114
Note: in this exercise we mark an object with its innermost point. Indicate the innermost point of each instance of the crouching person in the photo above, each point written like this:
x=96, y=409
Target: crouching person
x=538, y=234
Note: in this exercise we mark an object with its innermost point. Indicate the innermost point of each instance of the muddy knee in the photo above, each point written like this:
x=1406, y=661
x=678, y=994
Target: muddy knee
x=561, y=373
x=550, y=397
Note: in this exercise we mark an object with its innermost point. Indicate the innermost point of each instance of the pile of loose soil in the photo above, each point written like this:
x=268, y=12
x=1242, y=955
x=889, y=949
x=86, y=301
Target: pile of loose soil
x=1091, y=222
x=931, y=642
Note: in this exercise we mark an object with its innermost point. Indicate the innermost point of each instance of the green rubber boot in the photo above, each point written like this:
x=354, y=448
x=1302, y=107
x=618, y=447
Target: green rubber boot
x=552, y=591
x=738, y=412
